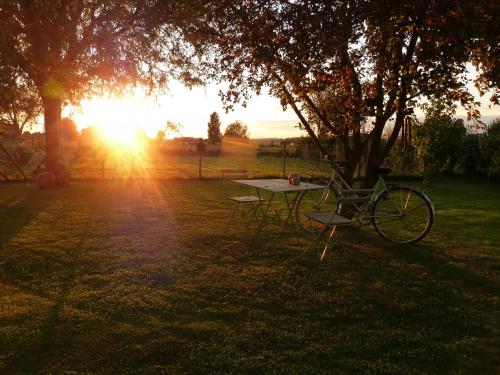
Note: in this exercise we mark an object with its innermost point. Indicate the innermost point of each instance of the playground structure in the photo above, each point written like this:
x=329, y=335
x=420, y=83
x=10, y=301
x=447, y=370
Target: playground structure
x=32, y=165
x=13, y=161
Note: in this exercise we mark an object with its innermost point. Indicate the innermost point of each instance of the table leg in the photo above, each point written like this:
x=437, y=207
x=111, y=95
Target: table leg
x=290, y=209
x=264, y=216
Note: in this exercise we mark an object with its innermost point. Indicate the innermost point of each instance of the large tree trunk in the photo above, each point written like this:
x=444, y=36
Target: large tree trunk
x=372, y=161
x=52, y=123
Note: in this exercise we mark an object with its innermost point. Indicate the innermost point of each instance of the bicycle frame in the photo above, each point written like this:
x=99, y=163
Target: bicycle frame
x=337, y=184
x=383, y=203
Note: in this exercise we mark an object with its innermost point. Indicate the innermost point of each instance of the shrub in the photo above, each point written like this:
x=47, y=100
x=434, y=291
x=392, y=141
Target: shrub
x=490, y=149
x=438, y=140
x=472, y=160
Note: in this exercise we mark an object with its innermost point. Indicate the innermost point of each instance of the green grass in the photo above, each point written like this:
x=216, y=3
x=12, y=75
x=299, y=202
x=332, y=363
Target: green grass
x=90, y=163
x=183, y=167
x=145, y=276
x=186, y=167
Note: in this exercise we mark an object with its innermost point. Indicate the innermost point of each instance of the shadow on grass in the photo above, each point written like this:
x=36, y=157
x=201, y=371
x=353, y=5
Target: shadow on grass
x=371, y=307
x=30, y=359
x=18, y=213
x=441, y=265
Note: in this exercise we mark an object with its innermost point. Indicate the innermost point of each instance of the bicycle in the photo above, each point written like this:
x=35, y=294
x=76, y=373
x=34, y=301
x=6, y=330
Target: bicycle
x=399, y=214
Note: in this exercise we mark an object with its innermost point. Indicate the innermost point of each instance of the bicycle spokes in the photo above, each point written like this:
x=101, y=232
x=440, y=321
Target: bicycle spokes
x=313, y=201
x=402, y=215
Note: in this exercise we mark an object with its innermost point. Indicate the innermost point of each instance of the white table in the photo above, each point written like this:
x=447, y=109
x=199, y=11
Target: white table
x=278, y=185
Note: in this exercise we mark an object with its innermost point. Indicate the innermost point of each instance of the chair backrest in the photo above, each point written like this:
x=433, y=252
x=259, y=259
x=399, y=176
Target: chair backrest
x=35, y=160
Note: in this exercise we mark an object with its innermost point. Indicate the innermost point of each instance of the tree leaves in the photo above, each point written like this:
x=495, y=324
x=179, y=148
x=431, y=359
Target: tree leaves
x=360, y=62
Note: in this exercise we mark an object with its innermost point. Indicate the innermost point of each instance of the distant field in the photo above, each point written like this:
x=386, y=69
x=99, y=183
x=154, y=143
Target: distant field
x=260, y=161
x=183, y=167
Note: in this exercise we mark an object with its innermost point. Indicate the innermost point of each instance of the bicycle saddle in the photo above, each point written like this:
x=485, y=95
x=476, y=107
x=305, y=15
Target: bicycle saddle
x=382, y=171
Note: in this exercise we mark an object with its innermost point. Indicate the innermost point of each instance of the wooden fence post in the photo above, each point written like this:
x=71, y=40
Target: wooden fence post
x=200, y=148
x=284, y=158
x=199, y=167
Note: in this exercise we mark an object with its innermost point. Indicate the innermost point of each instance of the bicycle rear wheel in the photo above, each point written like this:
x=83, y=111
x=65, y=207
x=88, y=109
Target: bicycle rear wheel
x=402, y=215
x=313, y=201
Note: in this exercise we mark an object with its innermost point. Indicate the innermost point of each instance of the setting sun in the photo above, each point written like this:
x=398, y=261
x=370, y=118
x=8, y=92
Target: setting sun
x=117, y=119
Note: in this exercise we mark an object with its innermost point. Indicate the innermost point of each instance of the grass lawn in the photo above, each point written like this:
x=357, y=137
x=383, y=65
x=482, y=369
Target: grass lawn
x=153, y=277
x=186, y=167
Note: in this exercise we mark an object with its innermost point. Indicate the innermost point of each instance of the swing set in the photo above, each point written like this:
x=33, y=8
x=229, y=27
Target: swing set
x=33, y=164
x=13, y=162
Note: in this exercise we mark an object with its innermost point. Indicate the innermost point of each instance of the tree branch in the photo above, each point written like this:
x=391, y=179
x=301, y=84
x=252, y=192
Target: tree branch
x=307, y=126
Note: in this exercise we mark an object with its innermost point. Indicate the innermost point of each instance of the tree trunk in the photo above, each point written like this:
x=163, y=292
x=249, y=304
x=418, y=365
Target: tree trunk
x=52, y=123
x=373, y=153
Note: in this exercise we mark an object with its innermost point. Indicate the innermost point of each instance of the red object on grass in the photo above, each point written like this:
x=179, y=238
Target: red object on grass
x=46, y=180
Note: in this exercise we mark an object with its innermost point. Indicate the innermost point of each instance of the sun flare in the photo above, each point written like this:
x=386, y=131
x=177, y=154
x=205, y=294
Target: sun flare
x=117, y=120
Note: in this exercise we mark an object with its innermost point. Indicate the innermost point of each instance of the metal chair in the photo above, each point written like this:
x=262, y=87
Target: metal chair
x=329, y=220
x=249, y=200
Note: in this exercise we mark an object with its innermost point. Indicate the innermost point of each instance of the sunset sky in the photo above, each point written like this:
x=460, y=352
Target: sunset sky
x=192, y=107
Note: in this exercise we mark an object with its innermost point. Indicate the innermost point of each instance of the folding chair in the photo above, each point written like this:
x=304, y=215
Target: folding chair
x=329, y=220
x=33, y=165
x=253, y=202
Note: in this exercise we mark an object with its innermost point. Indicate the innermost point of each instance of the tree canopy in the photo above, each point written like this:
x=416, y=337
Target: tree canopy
x=19, y=103
x=349, y=67
x=70, y=49
x=438, y=139
x=237, y=129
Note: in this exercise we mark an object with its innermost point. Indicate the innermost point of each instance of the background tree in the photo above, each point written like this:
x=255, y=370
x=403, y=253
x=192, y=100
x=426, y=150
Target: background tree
x=490, y=147
x=439, y=140
x=19, y=103
x=172, y=127
x=69, y=129
x=70, y=49
x=237, y=130
x=472, y=160
x=160, y=136
x=214, y=134
x=169, y=128
x=351, y=67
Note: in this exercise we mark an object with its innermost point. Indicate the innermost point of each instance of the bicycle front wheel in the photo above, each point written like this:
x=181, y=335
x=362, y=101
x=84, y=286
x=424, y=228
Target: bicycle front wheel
x=402, y=215
x=313, y=201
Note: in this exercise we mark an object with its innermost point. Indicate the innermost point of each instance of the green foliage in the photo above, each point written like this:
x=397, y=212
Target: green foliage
x=19, y=102
x=490, y=148
x=120, y=277
x=71, y=49
x=403, y=160
x=214, y=134
x=338, y=63
x=438, y=140
x=473, y=161
x=237, y=129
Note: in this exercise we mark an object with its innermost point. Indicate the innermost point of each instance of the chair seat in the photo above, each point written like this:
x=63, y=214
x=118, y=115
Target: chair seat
x=328, y=218
x=246, y=199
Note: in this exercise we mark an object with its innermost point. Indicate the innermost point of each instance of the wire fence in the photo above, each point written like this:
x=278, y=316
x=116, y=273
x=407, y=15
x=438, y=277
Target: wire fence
x=177, y=161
